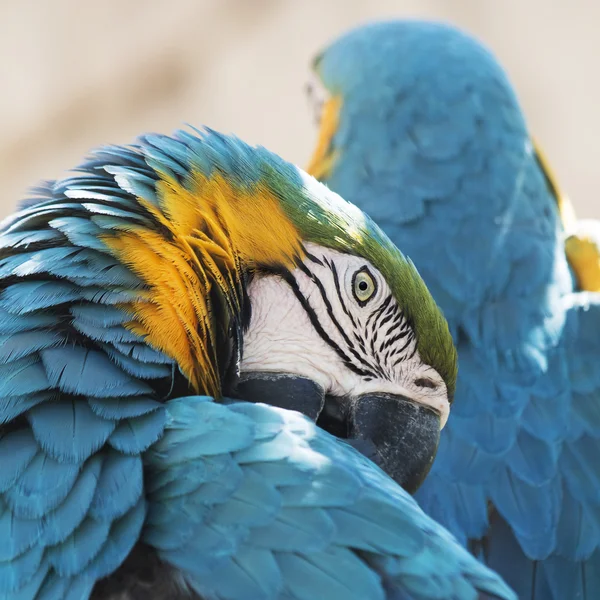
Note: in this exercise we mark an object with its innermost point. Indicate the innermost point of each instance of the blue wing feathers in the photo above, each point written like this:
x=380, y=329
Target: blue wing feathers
x=68, y=430
x=23, y=376
x=124, y=533
x=135, y=435
x=17, y=572
x=308, y=541
x=61, y=522
x=18, y=534
x=77, y=551
x=18, y=449
x=119, y=486
x=19, y=345
x=26, y=297
x=123, y=408
x=44, y=484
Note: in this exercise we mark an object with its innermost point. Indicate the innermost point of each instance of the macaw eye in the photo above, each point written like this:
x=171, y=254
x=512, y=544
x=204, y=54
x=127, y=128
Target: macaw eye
x=363, y=286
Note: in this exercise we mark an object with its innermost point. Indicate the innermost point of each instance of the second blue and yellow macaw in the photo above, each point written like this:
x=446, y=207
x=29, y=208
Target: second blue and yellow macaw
x=423, y=131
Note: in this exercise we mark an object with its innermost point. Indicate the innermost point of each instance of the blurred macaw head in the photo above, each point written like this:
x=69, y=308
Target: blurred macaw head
x=421, y=128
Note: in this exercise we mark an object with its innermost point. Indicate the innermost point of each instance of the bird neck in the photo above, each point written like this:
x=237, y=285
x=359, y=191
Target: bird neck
x=208, y=236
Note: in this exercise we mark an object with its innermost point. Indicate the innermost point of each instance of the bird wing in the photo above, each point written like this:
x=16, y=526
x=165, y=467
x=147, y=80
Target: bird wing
x=281, y=509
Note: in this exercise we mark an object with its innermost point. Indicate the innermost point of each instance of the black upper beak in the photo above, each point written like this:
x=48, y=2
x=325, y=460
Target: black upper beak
x=398, y=434
x=402, y=436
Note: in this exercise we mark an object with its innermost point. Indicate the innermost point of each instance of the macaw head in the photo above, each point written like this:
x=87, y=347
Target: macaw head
x=260, y=283
x=420, y=127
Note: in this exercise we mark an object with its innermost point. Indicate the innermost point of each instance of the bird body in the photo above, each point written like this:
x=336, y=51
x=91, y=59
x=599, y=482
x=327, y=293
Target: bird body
x=424, y=132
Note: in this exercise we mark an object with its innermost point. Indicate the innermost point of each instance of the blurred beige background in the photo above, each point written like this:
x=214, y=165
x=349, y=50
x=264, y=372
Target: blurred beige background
x=76, y=74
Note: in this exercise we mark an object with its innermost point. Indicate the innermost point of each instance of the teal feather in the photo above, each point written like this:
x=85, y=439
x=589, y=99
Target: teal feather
x=80, y=232
x=14, y=406
x=22, y=376
x=307, y=530
x=61, y=522
x=135, y=367
x=99, y=316
x=110, y=335
x=88, y=372
x=135, y=435
x=123, y=408
x=75, y=553
x=16, y=573
x=143, y=353
x=119, y=486
x=44, y=484
x=253, y=570
x=124, y=533
x=30, y=589
x=14, y=324
x=18, y=535
x=18, y=345
x=23, y=239
x=108, y=296
x=34, y=263
x=68, y=430
x=26, y=297
x=322, y=569
x=17, y=449
x=255, y=502
x=53, y=588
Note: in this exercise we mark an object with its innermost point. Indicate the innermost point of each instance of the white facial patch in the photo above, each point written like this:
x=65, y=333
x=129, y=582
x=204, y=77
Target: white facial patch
x=317, y=94
x=336, y=322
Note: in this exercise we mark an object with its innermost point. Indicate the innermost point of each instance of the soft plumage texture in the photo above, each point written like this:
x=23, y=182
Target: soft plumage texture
x=280, y=509
x=432, y=143
x=79, y=404
x=116, y=296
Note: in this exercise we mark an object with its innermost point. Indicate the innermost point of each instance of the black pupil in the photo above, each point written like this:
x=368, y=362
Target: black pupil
x=362, y=286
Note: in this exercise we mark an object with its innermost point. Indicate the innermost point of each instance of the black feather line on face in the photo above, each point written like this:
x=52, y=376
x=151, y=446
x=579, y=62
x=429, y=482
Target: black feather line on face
x=354, y=352
x=349, y=344
x=336, y=281
x=287, y=276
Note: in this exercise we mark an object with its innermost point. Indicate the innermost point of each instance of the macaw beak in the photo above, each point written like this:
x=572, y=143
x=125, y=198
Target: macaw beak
x=396, y=433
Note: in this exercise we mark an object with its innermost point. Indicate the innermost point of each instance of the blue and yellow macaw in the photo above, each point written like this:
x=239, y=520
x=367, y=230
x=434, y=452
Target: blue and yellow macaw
x=422, y=129
x=138, y=299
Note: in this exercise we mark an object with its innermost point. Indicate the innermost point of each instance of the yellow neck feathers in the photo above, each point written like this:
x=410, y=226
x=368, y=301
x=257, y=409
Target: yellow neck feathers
x=206, y=236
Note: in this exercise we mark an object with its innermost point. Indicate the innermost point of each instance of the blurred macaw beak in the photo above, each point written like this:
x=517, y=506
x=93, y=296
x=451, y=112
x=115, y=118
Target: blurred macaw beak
x=323, y=158
x=395, y=432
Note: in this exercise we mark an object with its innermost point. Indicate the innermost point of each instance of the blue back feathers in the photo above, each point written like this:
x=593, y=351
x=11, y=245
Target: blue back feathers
x=433, y=145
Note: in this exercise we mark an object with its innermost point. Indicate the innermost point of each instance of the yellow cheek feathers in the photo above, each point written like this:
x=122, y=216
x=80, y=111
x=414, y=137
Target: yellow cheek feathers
x=582, y=252
x=210, y=235
x=323, y=158
x=584, y=257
